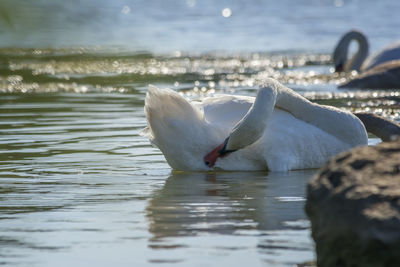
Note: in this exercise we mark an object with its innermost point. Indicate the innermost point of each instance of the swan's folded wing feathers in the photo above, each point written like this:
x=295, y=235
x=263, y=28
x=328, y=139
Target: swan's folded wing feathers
x=340, y=123
x=226, y=110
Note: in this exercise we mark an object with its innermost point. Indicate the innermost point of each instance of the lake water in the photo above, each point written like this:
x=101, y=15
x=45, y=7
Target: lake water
x=80, y=186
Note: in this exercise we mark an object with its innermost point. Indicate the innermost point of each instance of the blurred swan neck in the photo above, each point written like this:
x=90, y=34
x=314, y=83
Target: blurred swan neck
x=380, y=126
x=355, y=62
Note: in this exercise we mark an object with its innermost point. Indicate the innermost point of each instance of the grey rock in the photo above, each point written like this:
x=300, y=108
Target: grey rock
x=354, y=207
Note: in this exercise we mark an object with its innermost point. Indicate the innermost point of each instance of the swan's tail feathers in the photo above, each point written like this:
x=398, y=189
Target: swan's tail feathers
x=169, y=115
x=146, y=132
x=166, y=103
x=379, y=126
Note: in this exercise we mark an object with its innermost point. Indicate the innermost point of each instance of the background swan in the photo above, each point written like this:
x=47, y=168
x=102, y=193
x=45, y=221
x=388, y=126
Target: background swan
x=382, y=76
x=359, y=60
x=279, y=130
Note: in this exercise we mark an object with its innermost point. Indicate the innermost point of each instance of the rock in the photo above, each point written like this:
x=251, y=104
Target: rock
x=354, y=207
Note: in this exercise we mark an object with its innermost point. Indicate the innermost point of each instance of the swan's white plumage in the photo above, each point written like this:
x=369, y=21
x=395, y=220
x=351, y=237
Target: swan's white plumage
x=252, y=126
x=295, y=133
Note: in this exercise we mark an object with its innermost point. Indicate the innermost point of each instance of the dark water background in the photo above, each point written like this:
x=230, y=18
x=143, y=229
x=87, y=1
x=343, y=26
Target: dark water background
x=79, y=186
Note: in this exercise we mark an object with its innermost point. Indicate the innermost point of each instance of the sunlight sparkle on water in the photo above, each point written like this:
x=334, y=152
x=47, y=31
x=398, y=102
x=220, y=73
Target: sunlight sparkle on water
x=338, y=3
x=126, y=10
x=194, y=75
x=226, y=12
x=191, y=3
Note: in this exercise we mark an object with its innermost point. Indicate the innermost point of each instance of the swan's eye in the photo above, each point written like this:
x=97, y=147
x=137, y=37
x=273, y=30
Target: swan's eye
x=207, y=163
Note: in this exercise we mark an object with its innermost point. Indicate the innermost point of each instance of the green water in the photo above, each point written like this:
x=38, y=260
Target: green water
x=80, y=186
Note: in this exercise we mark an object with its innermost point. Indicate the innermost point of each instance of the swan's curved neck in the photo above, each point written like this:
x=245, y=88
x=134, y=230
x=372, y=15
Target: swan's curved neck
x=355, y=62
x=251, y=127
x=379, y=126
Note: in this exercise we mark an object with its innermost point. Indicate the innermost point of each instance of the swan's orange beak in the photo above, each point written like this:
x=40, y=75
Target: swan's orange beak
x=212, y=157
x=219, y=151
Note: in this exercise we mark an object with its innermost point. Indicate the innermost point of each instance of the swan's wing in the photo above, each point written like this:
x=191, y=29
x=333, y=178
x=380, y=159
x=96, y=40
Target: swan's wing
x=225, y=110
x=391, y=52
x=339, y=123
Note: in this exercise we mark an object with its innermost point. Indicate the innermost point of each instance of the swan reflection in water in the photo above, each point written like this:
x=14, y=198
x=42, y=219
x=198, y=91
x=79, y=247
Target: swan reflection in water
x=226, y=203
x=232, y=213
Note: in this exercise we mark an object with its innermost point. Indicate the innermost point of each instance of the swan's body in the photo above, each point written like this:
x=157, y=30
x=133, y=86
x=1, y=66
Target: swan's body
x=383, y=76
x=360, y=61
x=387, y=54
x=278, y=130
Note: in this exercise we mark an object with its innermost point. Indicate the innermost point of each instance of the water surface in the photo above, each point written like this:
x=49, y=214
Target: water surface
x=80, y=186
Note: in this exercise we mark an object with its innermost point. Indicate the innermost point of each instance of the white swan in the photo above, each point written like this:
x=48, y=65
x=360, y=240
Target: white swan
x=279, y=130
x=359, y=61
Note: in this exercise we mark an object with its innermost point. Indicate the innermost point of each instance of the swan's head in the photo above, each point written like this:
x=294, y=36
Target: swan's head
x=179, y=129
x=251, y=127
x=219, y=152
